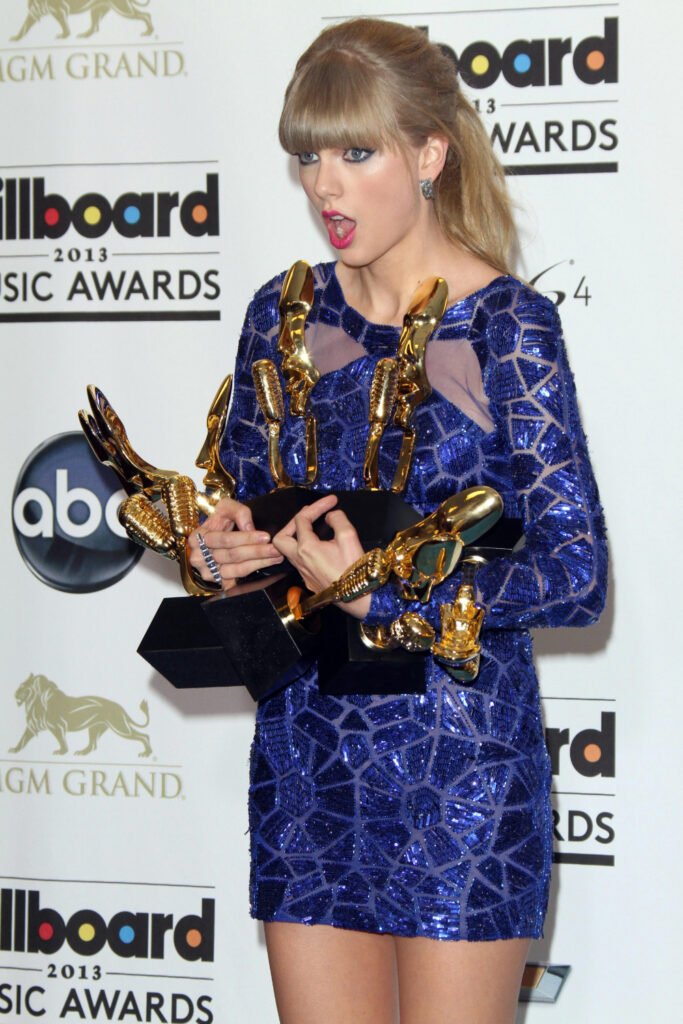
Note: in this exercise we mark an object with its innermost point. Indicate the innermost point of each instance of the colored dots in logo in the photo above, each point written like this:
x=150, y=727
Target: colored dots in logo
x=193, y=938
x=46, y=931
x=126, y=934
x=86, y=933
x=480, y=64
x=595, y=60
x=522, y=63
x=592, y=753
x=199, y=213
x=131, y=215
x=51, y=216
x=91, y=215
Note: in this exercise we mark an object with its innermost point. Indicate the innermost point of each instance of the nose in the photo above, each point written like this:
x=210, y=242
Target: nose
x=327, y=180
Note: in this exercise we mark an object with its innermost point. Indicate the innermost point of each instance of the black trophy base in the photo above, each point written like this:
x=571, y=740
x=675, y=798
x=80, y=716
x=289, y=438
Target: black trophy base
x=264, y=652
x=195, y=642
x=347, y=666
x=377, y=515
x=238, y=638
x=181, y=645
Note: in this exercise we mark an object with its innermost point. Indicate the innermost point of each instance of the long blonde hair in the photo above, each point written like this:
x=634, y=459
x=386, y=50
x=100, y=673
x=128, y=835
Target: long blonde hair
x=368, y=82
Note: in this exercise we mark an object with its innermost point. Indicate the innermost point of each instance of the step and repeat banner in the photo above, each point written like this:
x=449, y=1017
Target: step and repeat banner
x=143, y=199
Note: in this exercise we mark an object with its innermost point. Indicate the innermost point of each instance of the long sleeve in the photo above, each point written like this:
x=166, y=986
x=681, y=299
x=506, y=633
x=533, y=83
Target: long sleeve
x=244, y=444
x=537, y=458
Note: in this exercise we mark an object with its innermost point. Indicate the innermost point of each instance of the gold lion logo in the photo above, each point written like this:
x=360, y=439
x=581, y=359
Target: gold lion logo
x=47, y=707
x=62, y=9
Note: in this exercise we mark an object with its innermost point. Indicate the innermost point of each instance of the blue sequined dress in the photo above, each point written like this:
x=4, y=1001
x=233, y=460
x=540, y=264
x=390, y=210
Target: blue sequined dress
x=427, y=815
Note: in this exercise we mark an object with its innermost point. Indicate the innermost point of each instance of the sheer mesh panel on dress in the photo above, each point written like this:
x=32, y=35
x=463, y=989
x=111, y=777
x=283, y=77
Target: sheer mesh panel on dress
x=452, y=367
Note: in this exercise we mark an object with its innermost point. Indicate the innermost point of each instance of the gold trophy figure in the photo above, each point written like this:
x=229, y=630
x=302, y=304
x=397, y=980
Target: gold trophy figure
x=218, y=482
x=146, y=484
x=382, y=398
x=427, y=309
x=269, y=397
x=109, y=441
x=297, y=366
x=420, y=556
x=425, y=554
x=412, y=632
x=458, y=649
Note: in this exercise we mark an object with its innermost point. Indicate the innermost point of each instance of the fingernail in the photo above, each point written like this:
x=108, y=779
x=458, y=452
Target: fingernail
x=249, y=525
x=265, y=537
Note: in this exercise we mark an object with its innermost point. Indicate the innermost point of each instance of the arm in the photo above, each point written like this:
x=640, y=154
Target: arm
x=244, y=446
x=539, y=463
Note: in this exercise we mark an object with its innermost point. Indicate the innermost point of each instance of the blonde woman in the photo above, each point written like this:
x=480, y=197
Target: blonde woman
x=401, y=845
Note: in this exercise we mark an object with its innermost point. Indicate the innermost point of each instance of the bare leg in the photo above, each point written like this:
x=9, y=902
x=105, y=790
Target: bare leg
x=443, y=982
x=333, y=975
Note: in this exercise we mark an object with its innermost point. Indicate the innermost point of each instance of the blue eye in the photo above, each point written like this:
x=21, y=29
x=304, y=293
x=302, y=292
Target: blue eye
x=307, y=158
x=357, y=154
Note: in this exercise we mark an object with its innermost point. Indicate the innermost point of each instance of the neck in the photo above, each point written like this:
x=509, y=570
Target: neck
x=382, y=290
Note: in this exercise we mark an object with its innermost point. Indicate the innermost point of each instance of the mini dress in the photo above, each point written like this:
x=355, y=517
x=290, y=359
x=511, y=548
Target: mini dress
x=426, y=814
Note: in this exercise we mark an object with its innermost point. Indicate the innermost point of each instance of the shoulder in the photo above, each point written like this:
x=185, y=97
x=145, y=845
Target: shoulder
x=508, y=294
x=513, y=315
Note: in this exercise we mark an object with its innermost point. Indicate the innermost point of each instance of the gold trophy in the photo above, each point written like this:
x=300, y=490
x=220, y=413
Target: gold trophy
x=269, y=397
x=426, y=311
x=258, y=631
x=164, y=532
x=376, y=514
x=457, y=649
x=298, y=369
x=382, y=398
x=419, y=558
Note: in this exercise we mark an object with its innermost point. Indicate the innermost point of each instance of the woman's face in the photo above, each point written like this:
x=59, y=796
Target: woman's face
x=369, y=199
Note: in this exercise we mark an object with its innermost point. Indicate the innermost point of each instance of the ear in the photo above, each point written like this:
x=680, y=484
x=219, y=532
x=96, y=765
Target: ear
x=433, y=157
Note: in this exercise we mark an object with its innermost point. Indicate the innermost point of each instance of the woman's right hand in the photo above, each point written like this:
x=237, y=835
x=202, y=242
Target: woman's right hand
x=239, y=549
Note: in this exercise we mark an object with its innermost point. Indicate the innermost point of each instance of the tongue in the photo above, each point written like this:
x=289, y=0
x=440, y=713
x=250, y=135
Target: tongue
x=342, y=228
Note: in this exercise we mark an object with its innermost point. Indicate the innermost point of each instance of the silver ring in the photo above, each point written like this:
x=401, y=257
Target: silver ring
x=211, y=563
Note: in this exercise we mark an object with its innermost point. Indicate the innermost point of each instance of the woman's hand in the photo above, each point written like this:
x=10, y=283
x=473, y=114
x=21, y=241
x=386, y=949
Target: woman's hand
x=239, y=549
x=321, y=562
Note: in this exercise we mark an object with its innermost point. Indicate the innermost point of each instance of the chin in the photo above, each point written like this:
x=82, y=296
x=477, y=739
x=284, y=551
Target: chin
x=354, y=260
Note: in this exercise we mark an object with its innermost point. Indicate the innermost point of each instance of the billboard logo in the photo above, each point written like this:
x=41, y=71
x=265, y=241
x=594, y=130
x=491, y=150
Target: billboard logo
x=26, y=927
x=591, y=751
x=60, y=9
x=49, y=708
x=583, y=763
x=65, y=518
x=539, y=62
x=28, y=212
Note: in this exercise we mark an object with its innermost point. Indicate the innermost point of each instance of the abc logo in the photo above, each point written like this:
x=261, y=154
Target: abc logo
x=64, y=514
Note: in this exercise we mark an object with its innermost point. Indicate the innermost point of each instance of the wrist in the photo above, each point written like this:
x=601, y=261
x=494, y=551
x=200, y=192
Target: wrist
x=359, y=608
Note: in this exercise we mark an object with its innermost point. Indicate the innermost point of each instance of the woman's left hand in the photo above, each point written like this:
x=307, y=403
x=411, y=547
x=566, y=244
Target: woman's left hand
x=321, y=562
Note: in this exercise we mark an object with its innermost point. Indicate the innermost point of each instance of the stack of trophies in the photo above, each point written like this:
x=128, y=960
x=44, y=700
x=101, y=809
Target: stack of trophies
x=221, y=638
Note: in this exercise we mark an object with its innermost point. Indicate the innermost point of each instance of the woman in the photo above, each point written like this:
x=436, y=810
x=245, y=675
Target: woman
x=401, y=845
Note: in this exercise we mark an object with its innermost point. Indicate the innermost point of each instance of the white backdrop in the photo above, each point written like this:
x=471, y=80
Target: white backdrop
x=120, y=112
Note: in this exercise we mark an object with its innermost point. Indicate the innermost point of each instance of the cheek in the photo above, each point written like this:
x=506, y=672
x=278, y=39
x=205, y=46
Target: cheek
x=307, y=182
x=393, y=196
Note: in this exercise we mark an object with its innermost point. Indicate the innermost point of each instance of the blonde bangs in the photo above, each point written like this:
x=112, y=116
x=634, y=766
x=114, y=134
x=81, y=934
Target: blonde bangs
x=335, y=103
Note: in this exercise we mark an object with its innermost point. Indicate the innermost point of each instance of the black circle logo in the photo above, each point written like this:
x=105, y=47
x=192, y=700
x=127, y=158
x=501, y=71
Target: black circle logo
x=64, y=514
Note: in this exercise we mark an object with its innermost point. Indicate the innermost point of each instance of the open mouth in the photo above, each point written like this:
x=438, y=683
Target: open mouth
x=339, y=228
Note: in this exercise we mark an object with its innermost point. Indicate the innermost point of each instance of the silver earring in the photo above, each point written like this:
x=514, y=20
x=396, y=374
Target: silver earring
x=427, y=188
